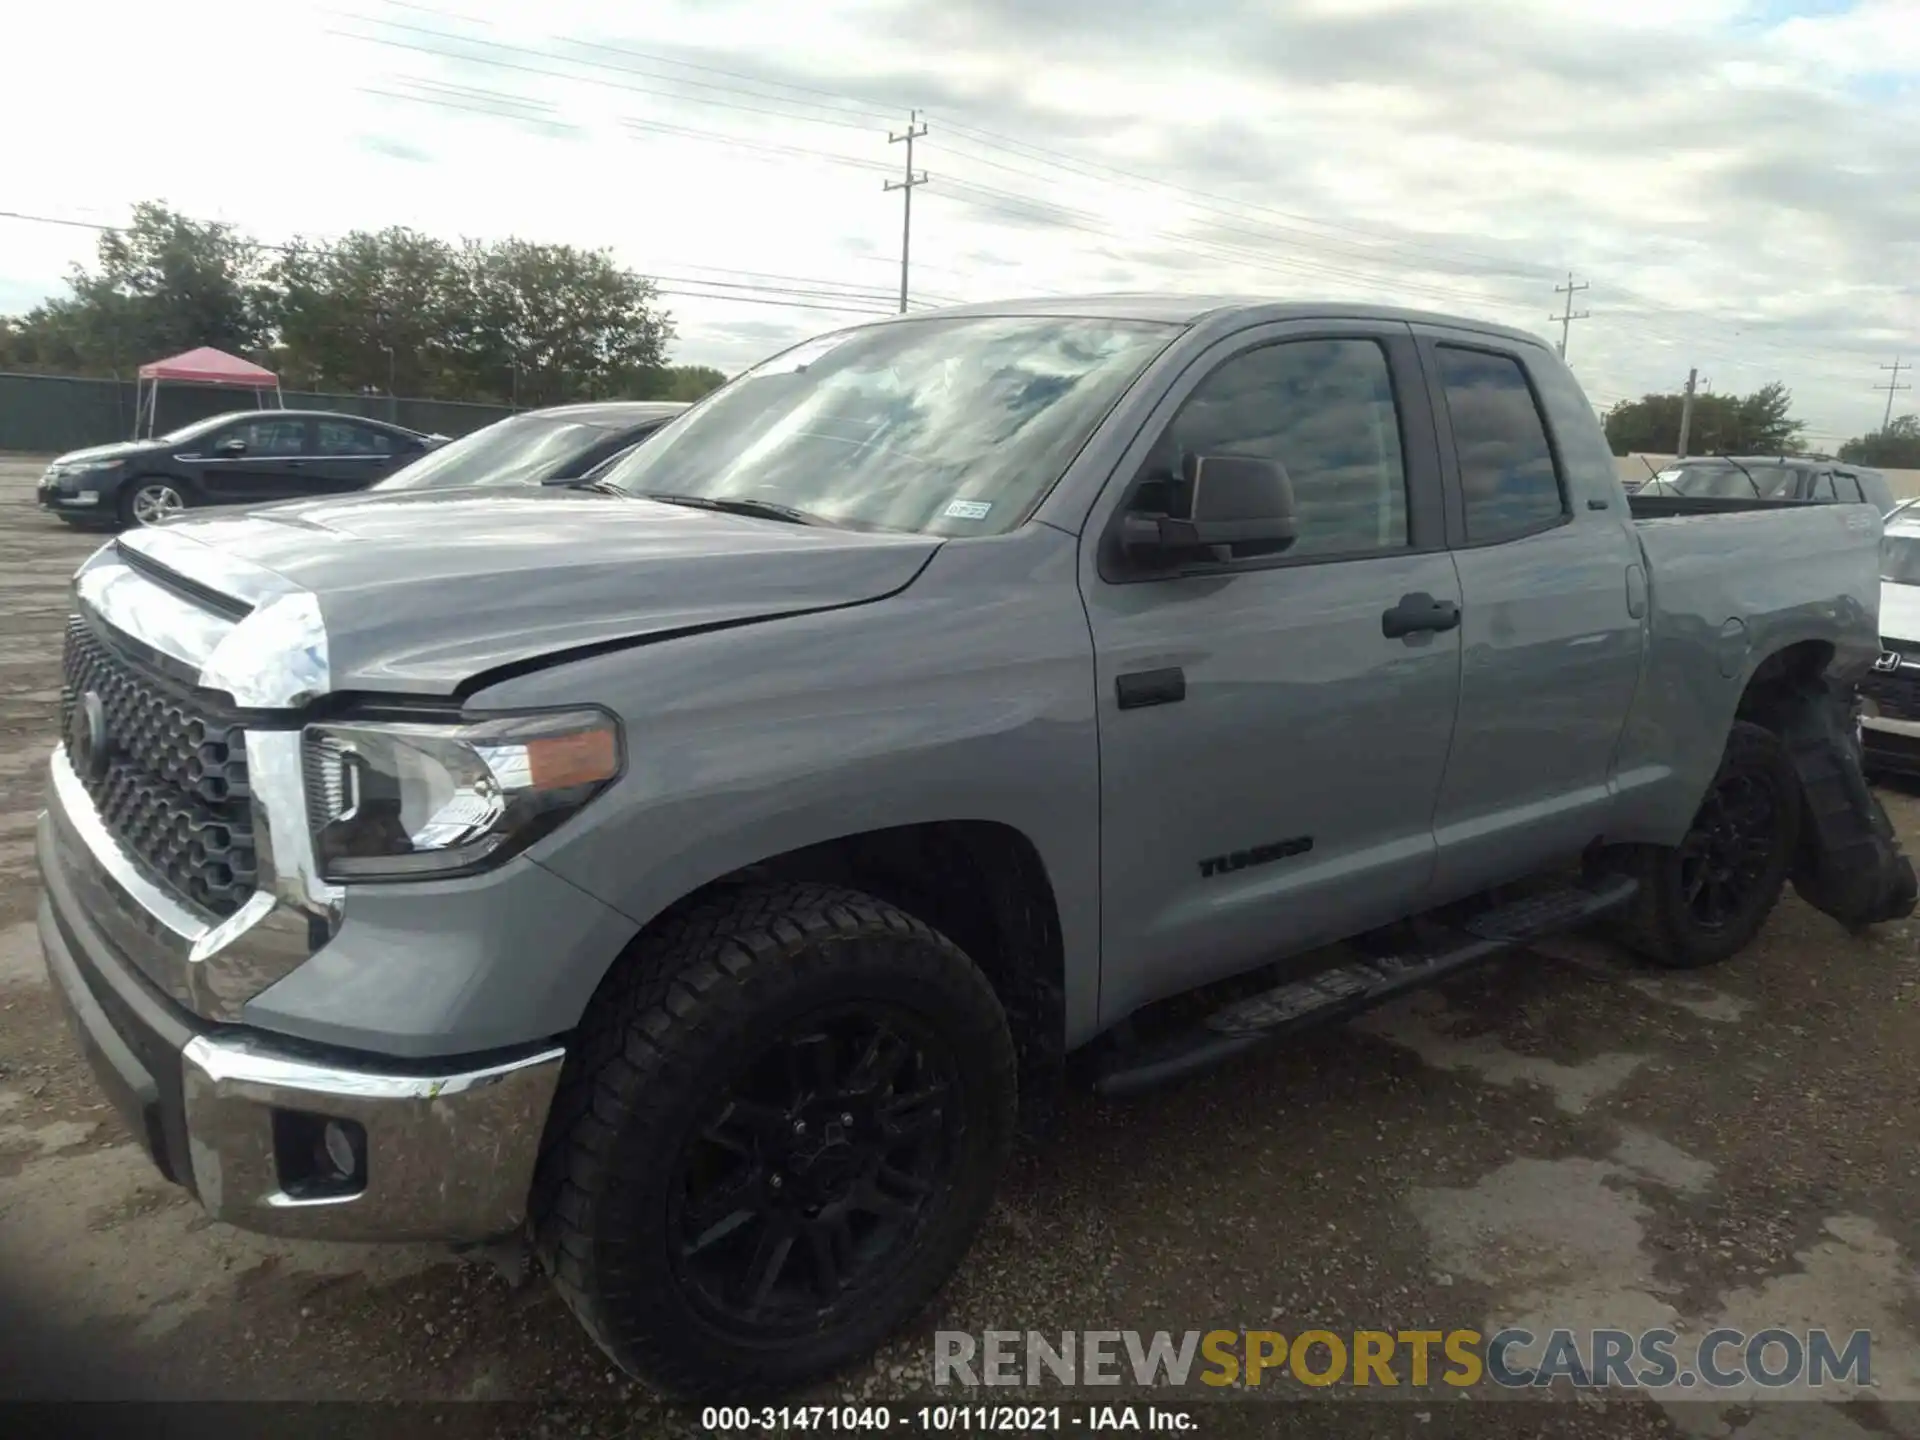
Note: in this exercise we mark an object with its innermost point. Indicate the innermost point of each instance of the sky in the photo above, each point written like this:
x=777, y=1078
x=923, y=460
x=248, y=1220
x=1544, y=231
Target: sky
x=1737, y=182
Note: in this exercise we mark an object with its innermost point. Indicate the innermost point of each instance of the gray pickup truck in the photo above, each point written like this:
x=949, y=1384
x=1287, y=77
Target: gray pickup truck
x=703, y=878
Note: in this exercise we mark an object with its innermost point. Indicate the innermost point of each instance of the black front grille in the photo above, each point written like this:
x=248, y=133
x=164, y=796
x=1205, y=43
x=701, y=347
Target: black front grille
x=174, y=788
x=1897, y=694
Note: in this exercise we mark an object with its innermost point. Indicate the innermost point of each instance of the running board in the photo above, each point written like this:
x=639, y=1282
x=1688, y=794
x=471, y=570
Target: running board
x=1347, y=990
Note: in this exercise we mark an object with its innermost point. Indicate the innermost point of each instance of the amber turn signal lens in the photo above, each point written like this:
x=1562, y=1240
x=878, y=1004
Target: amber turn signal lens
x=560, y=762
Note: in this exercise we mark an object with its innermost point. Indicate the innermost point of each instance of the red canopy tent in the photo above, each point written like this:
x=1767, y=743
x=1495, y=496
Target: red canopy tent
x=204, y=366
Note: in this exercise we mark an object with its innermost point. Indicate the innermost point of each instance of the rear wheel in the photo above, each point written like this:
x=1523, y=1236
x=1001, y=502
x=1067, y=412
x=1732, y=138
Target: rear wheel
x=778, y=1131
x=1704, y=899
x=150, y=499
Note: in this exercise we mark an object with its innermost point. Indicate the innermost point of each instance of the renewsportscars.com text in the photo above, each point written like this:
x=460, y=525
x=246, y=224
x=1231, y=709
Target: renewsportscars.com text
x=1513, y=1358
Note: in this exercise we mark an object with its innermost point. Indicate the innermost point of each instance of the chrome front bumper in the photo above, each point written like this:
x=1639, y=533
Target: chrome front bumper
x=449, y=1147
x=449, y=1156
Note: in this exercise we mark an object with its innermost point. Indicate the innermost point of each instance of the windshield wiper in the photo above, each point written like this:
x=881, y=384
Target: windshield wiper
x=733, y=505
x=1746, y=472
x=598, y=487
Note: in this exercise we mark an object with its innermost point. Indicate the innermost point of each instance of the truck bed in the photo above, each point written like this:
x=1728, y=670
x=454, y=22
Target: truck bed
x=1732, y=581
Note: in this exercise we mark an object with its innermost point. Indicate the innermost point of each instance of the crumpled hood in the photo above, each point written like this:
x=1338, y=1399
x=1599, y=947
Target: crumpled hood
x=422, y=592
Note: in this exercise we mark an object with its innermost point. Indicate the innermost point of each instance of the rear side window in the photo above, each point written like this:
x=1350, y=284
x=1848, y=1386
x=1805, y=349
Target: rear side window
x=1507, y=474
x=1823, y=487
x=1848, y=488
x=343, y=437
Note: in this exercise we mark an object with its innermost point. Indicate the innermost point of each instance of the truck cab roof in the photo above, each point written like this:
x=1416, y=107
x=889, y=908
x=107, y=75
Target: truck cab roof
x=1192, y=310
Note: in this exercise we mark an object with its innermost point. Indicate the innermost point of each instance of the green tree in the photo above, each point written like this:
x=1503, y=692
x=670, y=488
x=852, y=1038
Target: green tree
x=166, y=283
x=688, y=383
x=543, y=324
x=376, y=310
x=1758, y=424
x=392, y=310
x=1895, y=448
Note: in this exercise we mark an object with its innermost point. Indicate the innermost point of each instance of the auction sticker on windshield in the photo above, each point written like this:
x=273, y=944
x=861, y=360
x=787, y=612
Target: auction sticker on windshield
x=968, y=509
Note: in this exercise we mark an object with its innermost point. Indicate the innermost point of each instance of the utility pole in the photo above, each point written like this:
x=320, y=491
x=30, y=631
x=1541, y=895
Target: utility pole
x=1567, y=317
x=1686, y=414
x=916, y=127
x=1892, y=385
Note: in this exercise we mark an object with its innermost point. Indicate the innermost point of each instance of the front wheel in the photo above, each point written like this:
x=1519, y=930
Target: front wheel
x=776, y=1135
x=1705, y=899
x=148, y=501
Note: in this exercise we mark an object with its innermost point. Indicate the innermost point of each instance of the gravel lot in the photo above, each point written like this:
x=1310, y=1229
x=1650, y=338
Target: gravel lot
x=1564, y=1137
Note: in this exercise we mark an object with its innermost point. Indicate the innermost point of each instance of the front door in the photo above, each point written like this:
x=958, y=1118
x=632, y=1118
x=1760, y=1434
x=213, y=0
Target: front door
x=270, y=461
x=1270, y=754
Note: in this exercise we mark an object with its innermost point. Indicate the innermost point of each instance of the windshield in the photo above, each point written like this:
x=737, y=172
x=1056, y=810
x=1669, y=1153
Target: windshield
x=1900, y=559
x=947, y=427
x=1725, y=482
x=522, y=449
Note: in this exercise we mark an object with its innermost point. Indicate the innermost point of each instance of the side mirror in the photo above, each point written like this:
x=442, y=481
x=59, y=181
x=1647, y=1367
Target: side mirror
x=235, y=446
x=1233, y=500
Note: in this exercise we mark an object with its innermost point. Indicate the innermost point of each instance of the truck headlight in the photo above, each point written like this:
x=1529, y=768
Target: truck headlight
x=406, y=800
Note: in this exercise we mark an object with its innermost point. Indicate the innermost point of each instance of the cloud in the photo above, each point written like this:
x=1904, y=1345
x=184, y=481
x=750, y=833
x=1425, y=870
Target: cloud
x=394, y=149
x=1735, y=179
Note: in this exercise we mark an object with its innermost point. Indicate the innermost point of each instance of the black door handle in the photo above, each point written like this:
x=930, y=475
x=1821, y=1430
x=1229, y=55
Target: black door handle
x=1418, y=613
x=1151, y=687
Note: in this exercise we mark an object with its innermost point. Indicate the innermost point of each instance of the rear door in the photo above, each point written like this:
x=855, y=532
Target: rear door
x=270, y=463
x=1269, y=754
x=350, y=455
x=1553, y=600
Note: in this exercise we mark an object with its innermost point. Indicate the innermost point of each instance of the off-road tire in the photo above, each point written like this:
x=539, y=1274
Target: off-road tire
x=673, y=1026
x=1658, y=923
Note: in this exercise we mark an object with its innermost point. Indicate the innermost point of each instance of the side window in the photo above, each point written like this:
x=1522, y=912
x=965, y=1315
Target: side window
x=1823, y=487
x=272, y=437
x=1507, y=472
x=1324, y=409
x=1848, y=488
x=343, y=437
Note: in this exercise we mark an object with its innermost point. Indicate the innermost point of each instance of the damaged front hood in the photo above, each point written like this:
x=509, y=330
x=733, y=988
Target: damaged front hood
x=424, y=592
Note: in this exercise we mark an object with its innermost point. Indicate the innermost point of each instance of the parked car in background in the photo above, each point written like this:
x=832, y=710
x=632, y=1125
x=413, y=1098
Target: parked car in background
x=556, y=446
x=1770, y=477
x=1890, y=694
x=243, y=457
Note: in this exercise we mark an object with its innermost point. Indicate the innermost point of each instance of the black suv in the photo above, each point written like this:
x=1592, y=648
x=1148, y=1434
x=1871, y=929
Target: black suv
x=248, y=456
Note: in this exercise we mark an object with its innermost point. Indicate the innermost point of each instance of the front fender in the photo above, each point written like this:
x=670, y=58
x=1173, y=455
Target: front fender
x=968, y=696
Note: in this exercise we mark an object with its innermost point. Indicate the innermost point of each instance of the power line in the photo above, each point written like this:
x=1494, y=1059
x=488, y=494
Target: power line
x=800, y=292
x=1890, y=387
x=1390, y=251
x=905, y=185
x=1567, y=317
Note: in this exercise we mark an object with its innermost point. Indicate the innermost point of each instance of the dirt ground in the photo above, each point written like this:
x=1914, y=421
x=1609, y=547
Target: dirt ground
x=1565, y=1139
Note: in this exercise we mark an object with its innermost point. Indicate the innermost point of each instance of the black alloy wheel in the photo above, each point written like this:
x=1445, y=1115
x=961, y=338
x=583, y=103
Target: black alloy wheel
x=807, y=1184
x=1725, y=856
x=1704, y=899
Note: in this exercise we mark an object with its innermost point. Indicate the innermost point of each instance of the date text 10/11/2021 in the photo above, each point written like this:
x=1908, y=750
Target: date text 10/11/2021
x=945, y=1419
